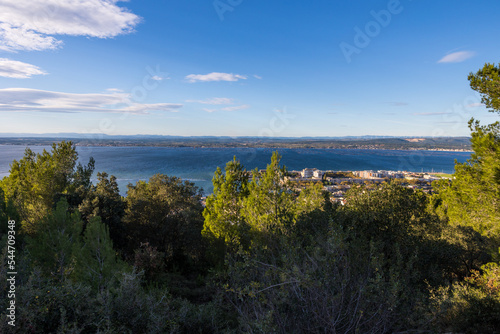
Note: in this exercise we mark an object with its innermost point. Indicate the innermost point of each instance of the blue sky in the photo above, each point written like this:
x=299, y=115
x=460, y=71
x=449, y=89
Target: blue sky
x=244, y=67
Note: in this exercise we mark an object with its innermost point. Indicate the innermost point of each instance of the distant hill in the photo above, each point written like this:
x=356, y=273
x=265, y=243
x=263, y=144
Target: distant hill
x=363, y=142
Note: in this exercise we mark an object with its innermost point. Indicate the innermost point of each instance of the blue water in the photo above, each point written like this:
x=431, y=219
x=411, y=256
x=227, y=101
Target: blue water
x=131, y=164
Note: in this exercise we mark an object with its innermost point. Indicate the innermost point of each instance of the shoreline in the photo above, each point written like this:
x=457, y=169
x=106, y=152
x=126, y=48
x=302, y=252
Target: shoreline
x=248, y=147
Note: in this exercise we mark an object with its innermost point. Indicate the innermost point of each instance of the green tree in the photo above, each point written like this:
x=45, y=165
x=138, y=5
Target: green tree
x=309, y=199
x=313, y=214
x=104, y=200
x=51, y=247
x=223, y=210
x=96, y=261
x=414, y=242
x=166, y=213
x=472, y=197
x=487, y=82
x=269, y=207
x=37, y=181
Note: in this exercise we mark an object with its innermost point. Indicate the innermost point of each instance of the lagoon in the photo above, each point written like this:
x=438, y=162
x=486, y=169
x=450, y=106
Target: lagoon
x=131, y=164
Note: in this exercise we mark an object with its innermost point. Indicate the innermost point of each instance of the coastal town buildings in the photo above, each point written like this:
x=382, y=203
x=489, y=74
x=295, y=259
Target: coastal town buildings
x=338, y=182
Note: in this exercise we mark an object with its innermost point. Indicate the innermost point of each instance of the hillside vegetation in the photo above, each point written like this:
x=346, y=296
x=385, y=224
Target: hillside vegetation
x=259, y=257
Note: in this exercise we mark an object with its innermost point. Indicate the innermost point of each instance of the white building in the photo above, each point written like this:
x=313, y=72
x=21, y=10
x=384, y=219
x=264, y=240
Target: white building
x=317, y=174
x=307, y=173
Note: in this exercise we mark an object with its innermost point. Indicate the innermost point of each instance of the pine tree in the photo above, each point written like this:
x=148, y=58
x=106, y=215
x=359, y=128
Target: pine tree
x=104, y=200
x=472, y=197
x=222, y=213
x=51, y=247
x=269, y=206
x=96, y=261
x=37, y=181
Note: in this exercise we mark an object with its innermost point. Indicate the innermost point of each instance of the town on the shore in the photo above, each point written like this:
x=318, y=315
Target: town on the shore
x=338, y=182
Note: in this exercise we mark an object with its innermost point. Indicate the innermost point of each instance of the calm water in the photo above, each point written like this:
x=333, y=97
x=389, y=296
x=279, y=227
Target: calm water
x=131, y=164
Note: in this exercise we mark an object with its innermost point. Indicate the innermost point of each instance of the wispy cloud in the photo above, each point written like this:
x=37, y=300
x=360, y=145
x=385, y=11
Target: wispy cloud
x=30, y=24
x=475, y=105
x=214, y=101
x=245, y=106
x=215, y=76
x=257, y=76
x=235, y=108
x=430, y=113
x=114, y=90
x=398, y=104
x=457, y=57
x=25, y=99
x=17, y=69
x=158, y=78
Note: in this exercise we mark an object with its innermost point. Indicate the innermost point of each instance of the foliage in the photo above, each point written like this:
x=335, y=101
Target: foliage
x=103, y=200
x=150, y=261
x=390, y=259
x=269, y=205
x=398, y=220
x=326, y=287
x=45, y=306
x=165, y=213
x=471, y=306
x=223, y=210
x=472, y=198
x=51, y=247
x=245, y=213
x=96, y=262
x=486, y=82
x=37, y=180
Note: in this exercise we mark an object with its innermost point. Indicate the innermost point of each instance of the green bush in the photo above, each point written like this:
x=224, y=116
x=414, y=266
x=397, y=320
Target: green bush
x=472, y=306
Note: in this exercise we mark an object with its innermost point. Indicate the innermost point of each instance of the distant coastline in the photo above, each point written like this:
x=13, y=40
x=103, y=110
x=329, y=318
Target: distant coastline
x=451, y=144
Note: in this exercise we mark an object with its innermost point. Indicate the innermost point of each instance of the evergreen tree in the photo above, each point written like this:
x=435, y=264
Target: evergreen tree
x=96, y=261
x=472, y=198
x=37, y=181
x=166, y=213
x=51, y=247
x=222, y=213
x=104, y=200
x=269, y=206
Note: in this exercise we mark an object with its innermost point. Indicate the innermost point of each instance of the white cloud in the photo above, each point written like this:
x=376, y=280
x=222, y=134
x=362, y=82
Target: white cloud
x=257, y=76
x=215, y=76
x=17, y=69
x=430, y=113
x=457, y=57
x=475, y=105
x=25, y=99
x=158, y=78
x=214, y=101
x=246, y=106
x=30, y=24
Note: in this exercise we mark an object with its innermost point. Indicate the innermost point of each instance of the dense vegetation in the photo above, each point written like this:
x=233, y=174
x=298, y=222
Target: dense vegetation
x=260, y=256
